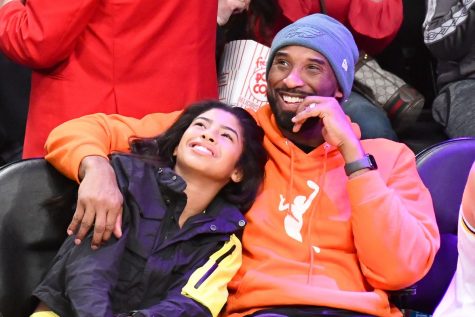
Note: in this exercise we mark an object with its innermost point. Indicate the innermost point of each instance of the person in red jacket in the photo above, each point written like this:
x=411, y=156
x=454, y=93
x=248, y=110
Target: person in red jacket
x=339, y=221
x=373, y=23
x=129, y=57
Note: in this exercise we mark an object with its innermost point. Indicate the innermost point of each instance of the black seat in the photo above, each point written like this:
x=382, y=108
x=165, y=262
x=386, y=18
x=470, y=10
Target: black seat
x=36, y=205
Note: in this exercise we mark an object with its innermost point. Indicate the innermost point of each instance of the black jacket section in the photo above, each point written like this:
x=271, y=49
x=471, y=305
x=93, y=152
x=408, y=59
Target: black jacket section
x=149, y=265
x=449, y=34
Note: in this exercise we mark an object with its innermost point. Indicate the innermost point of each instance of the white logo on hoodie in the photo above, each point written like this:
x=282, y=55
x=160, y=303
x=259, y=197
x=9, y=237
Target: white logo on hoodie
x=293, y=221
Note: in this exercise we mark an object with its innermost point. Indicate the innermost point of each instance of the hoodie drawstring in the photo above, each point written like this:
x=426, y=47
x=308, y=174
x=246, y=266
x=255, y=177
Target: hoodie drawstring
x=291, y=184
x=321, y=181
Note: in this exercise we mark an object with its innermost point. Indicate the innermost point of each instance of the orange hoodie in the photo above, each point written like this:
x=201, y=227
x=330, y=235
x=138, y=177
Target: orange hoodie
x=313, y=237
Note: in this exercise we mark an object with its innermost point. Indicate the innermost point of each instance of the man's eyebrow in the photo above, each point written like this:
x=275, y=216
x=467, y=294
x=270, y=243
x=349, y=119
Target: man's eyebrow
x=222, y=126
x=317, y=60
x=281, y=53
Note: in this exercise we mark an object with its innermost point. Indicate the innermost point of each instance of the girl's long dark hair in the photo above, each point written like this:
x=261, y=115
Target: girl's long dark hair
x=252, y=160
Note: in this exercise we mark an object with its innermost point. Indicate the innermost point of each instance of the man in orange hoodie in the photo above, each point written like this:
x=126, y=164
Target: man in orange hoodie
x=338, y=222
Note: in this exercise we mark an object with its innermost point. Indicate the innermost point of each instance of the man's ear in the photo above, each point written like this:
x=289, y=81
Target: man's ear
x=338, y=94
x=237, y=175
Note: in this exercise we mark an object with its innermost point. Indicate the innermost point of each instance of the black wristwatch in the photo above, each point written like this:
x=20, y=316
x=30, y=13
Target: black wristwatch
x=367, y=161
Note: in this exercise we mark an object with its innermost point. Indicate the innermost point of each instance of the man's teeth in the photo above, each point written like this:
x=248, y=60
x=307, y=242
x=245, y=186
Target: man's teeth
x=290, y=99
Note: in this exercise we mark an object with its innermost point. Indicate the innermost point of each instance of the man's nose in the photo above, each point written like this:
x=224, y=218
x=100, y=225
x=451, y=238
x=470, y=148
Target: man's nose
x=293, y=79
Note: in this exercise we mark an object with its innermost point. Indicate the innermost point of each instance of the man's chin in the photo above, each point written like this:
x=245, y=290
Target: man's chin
x=310, y=124
x=284, y=118
x=284, y=121
x=286, y=125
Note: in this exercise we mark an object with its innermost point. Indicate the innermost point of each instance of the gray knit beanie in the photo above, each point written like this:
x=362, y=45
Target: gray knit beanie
x=327, y=36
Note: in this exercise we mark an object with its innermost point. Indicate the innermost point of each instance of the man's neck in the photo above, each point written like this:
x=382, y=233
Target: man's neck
x=305, y=148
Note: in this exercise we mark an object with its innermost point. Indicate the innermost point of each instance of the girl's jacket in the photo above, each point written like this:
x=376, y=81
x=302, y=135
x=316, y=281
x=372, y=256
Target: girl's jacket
x=314, y=237
x=155, y=267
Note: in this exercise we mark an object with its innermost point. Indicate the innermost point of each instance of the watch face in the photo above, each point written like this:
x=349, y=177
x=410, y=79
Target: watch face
x=372, y=161
x=367, y=161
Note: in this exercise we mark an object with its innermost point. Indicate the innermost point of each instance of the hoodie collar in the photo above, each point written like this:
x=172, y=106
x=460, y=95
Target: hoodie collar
x=267, y=121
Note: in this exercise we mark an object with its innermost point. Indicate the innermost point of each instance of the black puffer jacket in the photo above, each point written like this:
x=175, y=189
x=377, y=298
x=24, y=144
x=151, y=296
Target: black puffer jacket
x=155, y=267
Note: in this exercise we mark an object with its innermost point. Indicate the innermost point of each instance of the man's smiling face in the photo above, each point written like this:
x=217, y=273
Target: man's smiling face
x=297, y=72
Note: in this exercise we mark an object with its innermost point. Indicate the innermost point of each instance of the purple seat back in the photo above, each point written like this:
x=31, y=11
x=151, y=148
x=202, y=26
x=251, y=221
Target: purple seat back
x=444, y=169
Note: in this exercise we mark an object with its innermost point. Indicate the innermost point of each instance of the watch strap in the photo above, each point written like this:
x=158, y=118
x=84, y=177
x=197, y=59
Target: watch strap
x=367, y=161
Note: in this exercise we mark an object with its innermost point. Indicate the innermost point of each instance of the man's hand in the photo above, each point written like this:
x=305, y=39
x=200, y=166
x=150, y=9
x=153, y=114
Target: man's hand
x=226, y=8
x=337, y=129
x=4, y=2
x=99, y=202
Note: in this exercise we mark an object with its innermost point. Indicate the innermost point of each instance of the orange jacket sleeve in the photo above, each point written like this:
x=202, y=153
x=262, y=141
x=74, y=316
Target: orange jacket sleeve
x=394, y=227
x=99, y=134
x=42, y=33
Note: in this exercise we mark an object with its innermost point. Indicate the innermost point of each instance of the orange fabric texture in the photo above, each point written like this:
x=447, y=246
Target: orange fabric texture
x=313, y=237
x=131, y=57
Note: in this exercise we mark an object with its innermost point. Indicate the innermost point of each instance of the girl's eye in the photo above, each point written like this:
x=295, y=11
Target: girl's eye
x=227, y=135
x=199, y=124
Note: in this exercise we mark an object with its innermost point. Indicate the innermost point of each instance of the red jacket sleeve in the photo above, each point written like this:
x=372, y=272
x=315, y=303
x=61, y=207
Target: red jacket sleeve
x=42, y=33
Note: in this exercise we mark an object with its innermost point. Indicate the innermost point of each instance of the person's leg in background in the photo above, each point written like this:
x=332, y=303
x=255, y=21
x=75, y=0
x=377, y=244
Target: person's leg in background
x=14, y=98
x=454, y=108
x=373, y=121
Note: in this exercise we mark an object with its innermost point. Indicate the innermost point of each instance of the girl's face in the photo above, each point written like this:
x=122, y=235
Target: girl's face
x=211, y=146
